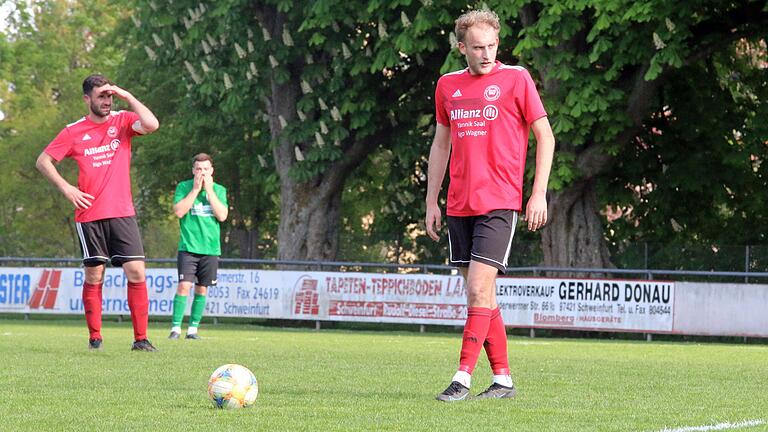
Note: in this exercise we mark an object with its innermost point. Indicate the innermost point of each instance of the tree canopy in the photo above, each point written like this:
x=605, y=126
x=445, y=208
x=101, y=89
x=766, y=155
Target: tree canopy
x=320, y=115
x=48, y=48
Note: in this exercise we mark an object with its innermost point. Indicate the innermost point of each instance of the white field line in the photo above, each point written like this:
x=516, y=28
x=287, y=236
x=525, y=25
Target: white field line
x=717, y=427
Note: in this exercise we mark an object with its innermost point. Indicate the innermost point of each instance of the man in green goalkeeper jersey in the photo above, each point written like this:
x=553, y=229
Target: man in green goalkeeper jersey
x=201, y=206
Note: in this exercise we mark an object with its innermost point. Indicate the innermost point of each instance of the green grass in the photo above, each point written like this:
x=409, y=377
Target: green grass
x=354, y=380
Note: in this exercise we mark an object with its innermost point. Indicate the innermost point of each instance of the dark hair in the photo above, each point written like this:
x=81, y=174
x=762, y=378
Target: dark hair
x=202, y=157
x=94, y=80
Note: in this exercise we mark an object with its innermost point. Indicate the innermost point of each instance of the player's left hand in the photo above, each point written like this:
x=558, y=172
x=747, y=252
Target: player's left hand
x=536, y=211
x=208, y=183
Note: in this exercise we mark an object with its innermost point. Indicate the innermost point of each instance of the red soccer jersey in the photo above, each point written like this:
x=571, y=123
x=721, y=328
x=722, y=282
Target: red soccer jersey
x=490, y=118
x=103, y=154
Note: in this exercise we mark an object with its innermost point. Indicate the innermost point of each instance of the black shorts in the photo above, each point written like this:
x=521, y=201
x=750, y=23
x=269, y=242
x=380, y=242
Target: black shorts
x=486, y=238
x=117, y=240
x=198, y=269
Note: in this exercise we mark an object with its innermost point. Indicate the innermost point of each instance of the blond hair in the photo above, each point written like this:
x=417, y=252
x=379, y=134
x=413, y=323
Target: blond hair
x=475, y=17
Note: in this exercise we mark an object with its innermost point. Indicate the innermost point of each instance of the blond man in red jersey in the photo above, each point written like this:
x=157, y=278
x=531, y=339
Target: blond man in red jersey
x=484, y=115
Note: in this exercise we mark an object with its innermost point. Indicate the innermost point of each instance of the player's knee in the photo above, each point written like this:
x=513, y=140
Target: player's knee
x=134, y=275
x=479, y=296
x=134, y=271
x=183, y=289
x=94, y=275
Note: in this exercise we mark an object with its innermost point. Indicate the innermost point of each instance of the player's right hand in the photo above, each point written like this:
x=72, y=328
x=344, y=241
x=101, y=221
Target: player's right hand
x=198, y=182
x=433, y=221
x=80, y=199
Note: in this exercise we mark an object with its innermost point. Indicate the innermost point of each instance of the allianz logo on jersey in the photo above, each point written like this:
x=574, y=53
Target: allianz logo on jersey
x=489, y=112
x=200, y=209
x=112, y=146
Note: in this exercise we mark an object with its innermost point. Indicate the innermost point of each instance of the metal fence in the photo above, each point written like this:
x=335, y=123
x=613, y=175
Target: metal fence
x=741, y=276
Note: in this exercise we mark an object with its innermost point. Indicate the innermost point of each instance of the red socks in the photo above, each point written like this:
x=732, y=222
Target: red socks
x=475, y=332
x=137, y=302
x=496, y=344
x=92, y=307
x=139, y=305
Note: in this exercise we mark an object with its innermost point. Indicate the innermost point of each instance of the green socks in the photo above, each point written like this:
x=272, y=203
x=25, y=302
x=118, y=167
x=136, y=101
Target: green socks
x=179, y=304
x=198, y=307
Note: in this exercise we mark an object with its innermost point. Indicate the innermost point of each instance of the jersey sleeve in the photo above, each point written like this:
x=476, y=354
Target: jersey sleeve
x=61, y=146
x=529, y=100
x=221, y=194
x=127, y=119
x=440, y=114
x=181, y=192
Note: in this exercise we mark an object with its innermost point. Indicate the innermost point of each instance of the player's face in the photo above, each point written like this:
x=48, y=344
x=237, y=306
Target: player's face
x=100, y=101
x=479, y=48
x=203, y=168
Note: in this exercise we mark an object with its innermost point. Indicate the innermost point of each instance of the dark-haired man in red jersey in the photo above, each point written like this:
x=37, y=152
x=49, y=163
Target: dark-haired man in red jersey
x=100, y=143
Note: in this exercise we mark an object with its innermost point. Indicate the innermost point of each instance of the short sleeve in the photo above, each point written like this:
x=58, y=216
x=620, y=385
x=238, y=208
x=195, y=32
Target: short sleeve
x=181, y=192
x=440, y=114
x=529, y=99
x=61, y=146
x=221, y=194
x=127, y=119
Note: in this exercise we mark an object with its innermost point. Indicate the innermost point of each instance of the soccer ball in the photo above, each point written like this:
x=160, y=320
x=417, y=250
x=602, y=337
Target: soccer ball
x=232, y=386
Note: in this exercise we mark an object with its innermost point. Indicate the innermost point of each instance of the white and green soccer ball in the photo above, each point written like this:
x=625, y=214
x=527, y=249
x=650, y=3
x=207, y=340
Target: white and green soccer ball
x=232, y=386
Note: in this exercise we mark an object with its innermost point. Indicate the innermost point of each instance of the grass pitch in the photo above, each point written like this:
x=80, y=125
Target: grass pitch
x=348, y=380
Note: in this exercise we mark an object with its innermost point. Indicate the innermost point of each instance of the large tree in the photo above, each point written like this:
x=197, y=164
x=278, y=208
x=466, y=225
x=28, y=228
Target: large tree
x=308, y=94
x=693, y=184
x=603, y=65
x=313, y=89
x=46, y=50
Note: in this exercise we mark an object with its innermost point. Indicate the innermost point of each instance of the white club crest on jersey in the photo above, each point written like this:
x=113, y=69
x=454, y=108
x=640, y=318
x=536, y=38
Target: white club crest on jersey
x=86, y=137
x=492, y=92
x=457, y=93
x=112, y=132
x=490, y=112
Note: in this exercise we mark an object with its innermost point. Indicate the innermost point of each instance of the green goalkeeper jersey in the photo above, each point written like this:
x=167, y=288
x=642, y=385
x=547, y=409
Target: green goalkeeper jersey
x=200, y=230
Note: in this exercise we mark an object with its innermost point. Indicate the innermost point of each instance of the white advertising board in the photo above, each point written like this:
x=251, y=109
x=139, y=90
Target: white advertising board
x=619, y=305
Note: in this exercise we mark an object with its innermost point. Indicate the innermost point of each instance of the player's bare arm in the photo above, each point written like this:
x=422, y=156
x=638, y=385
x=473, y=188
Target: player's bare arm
x=438, y=161
x=147, y=122
x=536, y=210
x=182, y=207
x=220, y=211
x=80, y=199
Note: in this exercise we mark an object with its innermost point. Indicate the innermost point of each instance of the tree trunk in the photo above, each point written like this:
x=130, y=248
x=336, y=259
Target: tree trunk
x=309, y=223
x=309, y=210
x=574, y=234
